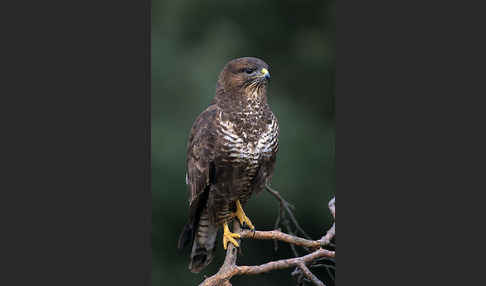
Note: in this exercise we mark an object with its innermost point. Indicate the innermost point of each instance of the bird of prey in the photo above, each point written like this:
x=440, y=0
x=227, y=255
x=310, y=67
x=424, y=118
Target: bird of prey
x=230, y=156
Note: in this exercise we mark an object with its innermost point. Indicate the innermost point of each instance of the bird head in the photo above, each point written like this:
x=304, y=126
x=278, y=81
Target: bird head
x=244, y=75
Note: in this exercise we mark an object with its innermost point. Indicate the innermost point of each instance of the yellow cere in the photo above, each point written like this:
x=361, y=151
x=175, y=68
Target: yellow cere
x=264, y=71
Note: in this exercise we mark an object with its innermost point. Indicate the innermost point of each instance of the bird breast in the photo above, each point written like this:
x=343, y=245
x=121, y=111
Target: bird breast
x=248, y=146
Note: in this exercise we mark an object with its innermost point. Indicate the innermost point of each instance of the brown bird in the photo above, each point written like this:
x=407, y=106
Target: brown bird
x=230, y=156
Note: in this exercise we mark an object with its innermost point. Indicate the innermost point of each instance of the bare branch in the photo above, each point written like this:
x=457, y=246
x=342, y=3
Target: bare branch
x=231, y=252
x=332, y=207
x=233, y=270
x=276, y=234
x=284, y=263
x=230, y=269
x=326, y=239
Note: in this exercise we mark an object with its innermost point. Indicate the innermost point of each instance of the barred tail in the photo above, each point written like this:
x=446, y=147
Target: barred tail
x=203, y=234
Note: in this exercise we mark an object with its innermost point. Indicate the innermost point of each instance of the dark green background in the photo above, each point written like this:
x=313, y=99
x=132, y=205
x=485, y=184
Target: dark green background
x=191, y=42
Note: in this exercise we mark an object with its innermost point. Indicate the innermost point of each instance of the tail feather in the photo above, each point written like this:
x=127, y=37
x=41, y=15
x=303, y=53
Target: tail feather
x=202, y=234
x=186, y=236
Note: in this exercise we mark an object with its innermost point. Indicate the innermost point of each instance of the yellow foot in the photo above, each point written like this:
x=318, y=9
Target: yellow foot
x=228, y=236
x=240, y=214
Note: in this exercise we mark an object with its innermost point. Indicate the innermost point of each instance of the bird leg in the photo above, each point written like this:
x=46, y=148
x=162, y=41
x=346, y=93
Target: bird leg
x=240, y=214
x=228, y=236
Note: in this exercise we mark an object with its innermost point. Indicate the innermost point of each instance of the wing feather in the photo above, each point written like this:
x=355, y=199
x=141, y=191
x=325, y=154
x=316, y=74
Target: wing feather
x=199, y=169
x=201, y=154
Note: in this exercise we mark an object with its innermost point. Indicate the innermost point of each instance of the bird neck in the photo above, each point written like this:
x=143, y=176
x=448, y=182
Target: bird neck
x=242, y=103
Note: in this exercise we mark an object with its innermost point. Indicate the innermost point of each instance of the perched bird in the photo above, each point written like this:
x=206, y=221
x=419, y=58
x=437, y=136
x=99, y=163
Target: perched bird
x=230, y=156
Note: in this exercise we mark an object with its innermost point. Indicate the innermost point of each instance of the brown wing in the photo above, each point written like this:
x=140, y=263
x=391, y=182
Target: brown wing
x=201, y=153
x=199, y=168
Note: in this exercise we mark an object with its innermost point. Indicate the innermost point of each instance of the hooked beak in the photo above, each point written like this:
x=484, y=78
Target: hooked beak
x=265, y=73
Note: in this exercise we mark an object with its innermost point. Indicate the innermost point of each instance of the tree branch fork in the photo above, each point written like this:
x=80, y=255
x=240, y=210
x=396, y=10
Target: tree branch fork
x=316, y=249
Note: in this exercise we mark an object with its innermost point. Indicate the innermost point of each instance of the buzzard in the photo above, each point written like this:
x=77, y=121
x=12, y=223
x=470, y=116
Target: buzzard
x=230, y=156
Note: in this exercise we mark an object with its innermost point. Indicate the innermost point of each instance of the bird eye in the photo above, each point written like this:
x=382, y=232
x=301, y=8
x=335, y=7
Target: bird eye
x=249, y=71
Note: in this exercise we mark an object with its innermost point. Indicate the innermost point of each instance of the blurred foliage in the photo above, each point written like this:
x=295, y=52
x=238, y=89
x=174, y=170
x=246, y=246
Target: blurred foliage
x=191, y=42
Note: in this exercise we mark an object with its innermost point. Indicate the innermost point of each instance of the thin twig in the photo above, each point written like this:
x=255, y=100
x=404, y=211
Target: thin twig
x=328, y=268
x=277, y=224
x=323, y=266
x=290, y=231
x=329, y=272
x=310, y=275
x=287, y=206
